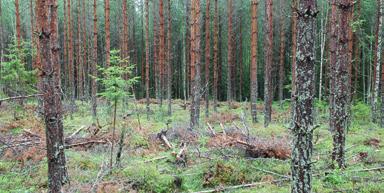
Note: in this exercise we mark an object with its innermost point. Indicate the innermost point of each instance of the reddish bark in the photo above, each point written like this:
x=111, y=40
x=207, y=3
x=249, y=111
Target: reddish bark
x=147, y=55
x=207, y=56
x=18, y=24
x=195, y=63
x=161, y=50
x=50, y=88
x=282, y=54
x=254, y=33
x=169, y=60
x=107, y=33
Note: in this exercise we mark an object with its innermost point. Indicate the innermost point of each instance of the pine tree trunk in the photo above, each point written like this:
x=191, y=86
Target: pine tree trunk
x=215, y=56
x=339, y=114
x=94, y=63
x=294, y=45
x=282, y=54
x=18, y=24
x=147, y=55
x=304, y=98
x=230, y=53
x=84, y=73
x=50, y=87
x=169, y=67
x=254, y=34
x=65, y=46
x=268, y=45
x=70, y=55
x=195, y=63
x=161, y=50
x=207, y=55
x=240, y=65
x=79, y=62
x=377, y=60
x=188, y=47
x=155, y=51
x=107, y=33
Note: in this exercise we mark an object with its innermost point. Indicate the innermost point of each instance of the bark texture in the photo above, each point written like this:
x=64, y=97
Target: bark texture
x=195, y=63
x=207, y=56
x=282, y=53
x=215, y=56
x=50, y=88
x=18, y=23
x=377, y=59
x=230, y=64
x=161, y=50
x=304, y=98
x=107, y=33
x=94, y=62
x=147, y=55
x=268, y=46
x=254, y=33
x=339, y=113
x=169, y=60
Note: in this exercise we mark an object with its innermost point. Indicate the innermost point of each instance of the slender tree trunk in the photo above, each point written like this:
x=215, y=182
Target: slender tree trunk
x=113, y=133
x=50, y=88
x=230, y=52
x=65, y=46
x=70, y=55
x=169, y=67
x=294, y=45
x=215, y=56
x=107, y=33
x=304, y=98
x=125, y=50
x=377, y=59
x=268, y=45
x=18, y=24
x=254, y=34
x=147, y=55
x=79, y=62
x=155, y=51
x=188, y=47
x=161, y=50
x=84, y=74
x=282, y=54
x=240, y=65
x=339, y=114
x=94, y=63
x=357, y=53
x=323, y=26
x=195, y=63
x=207, y=55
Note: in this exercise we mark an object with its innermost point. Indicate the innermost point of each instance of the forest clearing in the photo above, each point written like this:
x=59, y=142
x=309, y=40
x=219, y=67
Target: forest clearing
x=109, y=96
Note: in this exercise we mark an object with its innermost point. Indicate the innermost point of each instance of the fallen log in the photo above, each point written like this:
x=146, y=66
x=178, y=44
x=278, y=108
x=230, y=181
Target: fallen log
x=163, y=138
x=221, y=189
x=85, y=143
x=19, y=97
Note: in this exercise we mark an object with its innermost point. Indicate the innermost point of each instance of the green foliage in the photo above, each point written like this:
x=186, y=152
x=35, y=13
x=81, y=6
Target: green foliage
x=115, y=85
x=14, y=76
x=361, y=113
x=148, y=179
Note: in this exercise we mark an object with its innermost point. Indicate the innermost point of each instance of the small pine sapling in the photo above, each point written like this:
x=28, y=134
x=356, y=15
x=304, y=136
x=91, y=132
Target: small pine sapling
x=116, y=86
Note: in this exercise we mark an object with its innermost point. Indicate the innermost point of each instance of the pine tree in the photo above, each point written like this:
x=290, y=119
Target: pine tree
x=268, y=46
x=303, y=99
x=253, y=69
x=47, y=18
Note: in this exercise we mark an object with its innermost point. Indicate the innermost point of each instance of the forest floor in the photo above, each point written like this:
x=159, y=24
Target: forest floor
x=229, y=154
